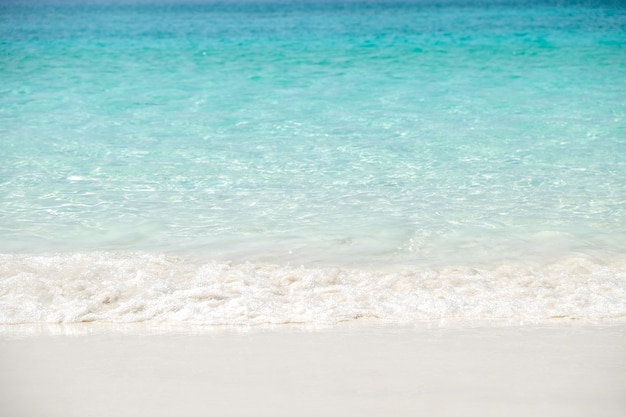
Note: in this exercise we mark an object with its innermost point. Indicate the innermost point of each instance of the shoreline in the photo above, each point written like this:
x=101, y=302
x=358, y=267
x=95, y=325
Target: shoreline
x=165, y=328
x=365, y=369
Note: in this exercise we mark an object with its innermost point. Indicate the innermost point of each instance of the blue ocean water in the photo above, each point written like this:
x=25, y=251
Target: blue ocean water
x=472, y=152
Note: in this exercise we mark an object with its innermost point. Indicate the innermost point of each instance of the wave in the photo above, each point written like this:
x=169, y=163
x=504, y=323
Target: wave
x=128, y=287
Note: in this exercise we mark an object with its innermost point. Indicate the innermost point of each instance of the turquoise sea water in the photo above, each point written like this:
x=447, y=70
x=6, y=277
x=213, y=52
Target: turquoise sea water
x=472, y=152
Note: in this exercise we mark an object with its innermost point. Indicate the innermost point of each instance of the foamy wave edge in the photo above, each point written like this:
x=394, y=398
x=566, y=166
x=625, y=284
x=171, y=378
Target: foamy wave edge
x=130, y=287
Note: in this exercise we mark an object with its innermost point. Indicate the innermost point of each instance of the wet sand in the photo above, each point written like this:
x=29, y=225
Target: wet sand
x=355, y=370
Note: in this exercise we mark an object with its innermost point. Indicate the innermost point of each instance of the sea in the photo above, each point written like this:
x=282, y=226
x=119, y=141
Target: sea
x=272, y=162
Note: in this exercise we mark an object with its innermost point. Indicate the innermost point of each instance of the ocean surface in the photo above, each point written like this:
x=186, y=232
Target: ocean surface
x=244, y=162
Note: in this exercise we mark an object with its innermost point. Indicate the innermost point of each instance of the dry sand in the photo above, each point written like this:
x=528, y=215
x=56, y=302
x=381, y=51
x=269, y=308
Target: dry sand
x=356, y=370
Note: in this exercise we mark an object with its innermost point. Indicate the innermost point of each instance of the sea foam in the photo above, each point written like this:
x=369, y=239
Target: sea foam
x=126, y=287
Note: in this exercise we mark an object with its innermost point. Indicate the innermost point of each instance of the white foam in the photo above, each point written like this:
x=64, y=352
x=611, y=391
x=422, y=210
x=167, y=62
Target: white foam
x=125, y=287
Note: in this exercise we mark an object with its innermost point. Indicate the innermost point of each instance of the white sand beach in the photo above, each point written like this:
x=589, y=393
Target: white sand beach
x=355, y=370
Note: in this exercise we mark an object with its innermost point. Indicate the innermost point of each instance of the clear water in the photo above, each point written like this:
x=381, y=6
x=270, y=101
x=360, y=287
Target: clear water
x=452, y=138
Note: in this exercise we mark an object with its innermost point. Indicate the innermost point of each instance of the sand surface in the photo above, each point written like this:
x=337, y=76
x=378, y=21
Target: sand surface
x=364, y=370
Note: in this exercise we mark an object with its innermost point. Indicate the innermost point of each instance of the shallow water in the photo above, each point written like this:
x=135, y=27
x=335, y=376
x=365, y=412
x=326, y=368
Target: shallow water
x=370, y=138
